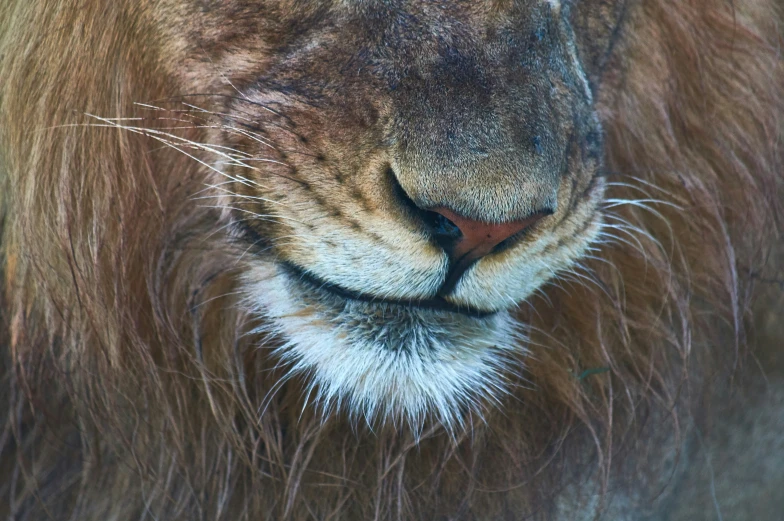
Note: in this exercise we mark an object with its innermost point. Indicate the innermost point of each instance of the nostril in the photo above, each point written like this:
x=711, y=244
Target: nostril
x=444, y=231
x=442, y=227
x=461, y=236
x=477, y=238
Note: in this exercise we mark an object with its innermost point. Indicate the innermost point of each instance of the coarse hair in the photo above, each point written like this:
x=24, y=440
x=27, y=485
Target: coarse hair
x=136, y=384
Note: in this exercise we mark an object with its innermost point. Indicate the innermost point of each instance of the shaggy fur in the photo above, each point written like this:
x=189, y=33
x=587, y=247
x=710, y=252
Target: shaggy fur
x=139, y=387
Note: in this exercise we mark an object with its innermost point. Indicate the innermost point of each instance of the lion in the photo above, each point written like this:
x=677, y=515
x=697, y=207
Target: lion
x=354, y=259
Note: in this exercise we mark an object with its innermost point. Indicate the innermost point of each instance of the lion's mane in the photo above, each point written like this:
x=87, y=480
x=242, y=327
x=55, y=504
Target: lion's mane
x=135, y=386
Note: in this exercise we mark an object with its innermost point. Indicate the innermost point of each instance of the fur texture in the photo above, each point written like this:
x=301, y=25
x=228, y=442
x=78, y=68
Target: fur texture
x=149, y=376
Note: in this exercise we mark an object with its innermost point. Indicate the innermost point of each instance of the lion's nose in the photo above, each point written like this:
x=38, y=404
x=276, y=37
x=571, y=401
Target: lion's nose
x=466, y=237
x=466, y=240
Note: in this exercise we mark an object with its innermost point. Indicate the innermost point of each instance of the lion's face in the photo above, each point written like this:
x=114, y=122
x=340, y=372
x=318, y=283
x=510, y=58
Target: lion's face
x=402, y=175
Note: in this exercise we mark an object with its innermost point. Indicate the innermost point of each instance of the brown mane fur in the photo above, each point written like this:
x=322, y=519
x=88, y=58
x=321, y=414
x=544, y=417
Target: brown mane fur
x=133, y=388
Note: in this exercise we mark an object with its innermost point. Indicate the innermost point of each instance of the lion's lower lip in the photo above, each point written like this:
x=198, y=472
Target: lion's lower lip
x=435, y=304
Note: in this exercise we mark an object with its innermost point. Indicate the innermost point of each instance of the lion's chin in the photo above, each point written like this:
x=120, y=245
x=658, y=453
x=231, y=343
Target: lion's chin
x=384, y=361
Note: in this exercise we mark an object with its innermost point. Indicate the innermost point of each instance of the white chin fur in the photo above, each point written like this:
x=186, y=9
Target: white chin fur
x=385, y=361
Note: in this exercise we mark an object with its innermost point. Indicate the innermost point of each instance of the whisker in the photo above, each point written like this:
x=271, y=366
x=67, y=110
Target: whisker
x=160, y=136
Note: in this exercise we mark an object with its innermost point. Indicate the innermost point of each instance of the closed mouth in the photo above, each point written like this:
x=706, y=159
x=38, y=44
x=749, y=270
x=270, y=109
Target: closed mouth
x=434, y=304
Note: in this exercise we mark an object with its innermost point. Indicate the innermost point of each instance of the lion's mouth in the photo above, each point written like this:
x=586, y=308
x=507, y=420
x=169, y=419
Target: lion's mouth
x=313, y=283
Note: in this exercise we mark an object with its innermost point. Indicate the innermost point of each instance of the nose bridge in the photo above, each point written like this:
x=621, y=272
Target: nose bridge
x=483, y=133
x=483, y=176
x=484, y=148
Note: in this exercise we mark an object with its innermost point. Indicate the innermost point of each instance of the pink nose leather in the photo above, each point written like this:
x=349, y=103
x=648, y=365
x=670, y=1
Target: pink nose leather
x=480, y=238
